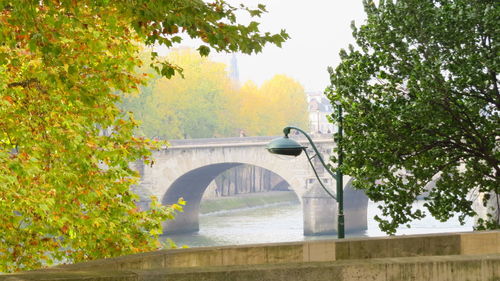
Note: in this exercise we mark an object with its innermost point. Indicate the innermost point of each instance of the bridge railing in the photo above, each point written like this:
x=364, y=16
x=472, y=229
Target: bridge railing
x=236, y=140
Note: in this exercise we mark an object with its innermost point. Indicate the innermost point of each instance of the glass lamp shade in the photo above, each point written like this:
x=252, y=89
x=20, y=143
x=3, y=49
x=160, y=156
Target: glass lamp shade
x=285, y=146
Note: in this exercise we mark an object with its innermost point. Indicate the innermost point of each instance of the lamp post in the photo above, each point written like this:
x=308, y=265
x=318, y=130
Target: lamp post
x=290, y=147
x=339, y=174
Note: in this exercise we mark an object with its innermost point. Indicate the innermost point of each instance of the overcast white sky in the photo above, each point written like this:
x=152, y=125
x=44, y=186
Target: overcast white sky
x=318, y=30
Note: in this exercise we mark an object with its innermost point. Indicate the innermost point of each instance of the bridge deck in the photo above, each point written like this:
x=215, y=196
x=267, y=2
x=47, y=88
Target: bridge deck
x=240, y=141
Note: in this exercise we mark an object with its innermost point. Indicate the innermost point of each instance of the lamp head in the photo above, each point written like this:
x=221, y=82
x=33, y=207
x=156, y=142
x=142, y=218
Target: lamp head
x=285, y=146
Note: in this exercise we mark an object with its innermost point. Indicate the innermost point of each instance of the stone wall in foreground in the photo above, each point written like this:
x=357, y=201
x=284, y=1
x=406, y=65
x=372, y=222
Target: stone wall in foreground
x=454, y=256
x=438, y=268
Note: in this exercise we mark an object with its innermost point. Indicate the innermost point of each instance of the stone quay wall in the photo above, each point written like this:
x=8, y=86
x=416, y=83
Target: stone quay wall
x=452, y=256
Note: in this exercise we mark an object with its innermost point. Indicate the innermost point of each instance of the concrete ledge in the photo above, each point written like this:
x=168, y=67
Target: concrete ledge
x=49, y=275
x=483, y=242
x=469, y=243
x=442, y=268
x=401, y=246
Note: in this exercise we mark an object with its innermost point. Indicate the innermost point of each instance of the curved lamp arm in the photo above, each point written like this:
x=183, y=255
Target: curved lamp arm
x=286, y=131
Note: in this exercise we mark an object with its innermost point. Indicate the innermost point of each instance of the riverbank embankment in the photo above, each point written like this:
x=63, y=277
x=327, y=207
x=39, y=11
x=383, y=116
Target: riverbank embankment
x=245, y=201
x=473, y=256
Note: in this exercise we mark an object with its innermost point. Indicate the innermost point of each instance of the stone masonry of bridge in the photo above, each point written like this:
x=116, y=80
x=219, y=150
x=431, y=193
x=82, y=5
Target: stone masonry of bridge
x=187, y=167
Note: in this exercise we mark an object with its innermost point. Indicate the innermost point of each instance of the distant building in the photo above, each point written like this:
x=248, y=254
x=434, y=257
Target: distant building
x=319, y=107
x=234, y=73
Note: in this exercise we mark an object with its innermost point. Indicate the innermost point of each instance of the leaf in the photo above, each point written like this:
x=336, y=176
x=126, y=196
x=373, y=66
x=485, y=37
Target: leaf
x=204, y=50
x=8, y=99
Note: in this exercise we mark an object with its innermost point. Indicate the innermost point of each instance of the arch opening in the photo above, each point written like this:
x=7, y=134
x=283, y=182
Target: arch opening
x=245, y=179
x=193, y=185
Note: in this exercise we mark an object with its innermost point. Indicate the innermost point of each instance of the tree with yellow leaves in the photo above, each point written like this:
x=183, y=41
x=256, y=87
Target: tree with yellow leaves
x=64, y=185
x=205, y=103
x=279, y=102
x=200, y=103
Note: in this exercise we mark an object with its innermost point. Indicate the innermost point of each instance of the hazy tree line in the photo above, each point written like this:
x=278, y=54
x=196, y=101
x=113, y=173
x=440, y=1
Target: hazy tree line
x=204, y=102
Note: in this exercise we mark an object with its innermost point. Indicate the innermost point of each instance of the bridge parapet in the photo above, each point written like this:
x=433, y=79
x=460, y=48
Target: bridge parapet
x=260, y=139
x=241, y=142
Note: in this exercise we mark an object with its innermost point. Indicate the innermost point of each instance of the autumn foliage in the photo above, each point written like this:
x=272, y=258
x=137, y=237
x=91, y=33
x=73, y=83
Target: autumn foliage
x=205, y=102
x=64, y=185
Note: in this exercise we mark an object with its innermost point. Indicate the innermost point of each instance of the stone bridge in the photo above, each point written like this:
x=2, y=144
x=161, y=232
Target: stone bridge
x=187, y=167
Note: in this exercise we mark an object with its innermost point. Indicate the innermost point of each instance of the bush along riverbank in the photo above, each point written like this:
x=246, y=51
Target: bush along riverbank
x=248, y=200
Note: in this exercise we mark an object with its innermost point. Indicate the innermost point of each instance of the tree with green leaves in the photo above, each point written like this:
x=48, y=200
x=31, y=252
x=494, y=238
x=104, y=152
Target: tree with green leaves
x=421, y=101
x=64, y=185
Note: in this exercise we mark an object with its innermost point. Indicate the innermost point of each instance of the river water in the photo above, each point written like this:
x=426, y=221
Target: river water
x=283, y=223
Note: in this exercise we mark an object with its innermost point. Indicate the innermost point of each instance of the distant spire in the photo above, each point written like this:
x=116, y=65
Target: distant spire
x=234, y=73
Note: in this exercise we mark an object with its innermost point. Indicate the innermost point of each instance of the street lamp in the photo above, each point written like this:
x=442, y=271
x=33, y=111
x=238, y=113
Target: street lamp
x=290, y=147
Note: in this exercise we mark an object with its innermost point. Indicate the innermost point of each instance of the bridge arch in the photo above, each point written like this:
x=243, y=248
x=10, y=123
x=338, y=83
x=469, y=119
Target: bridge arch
x=191, y=186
